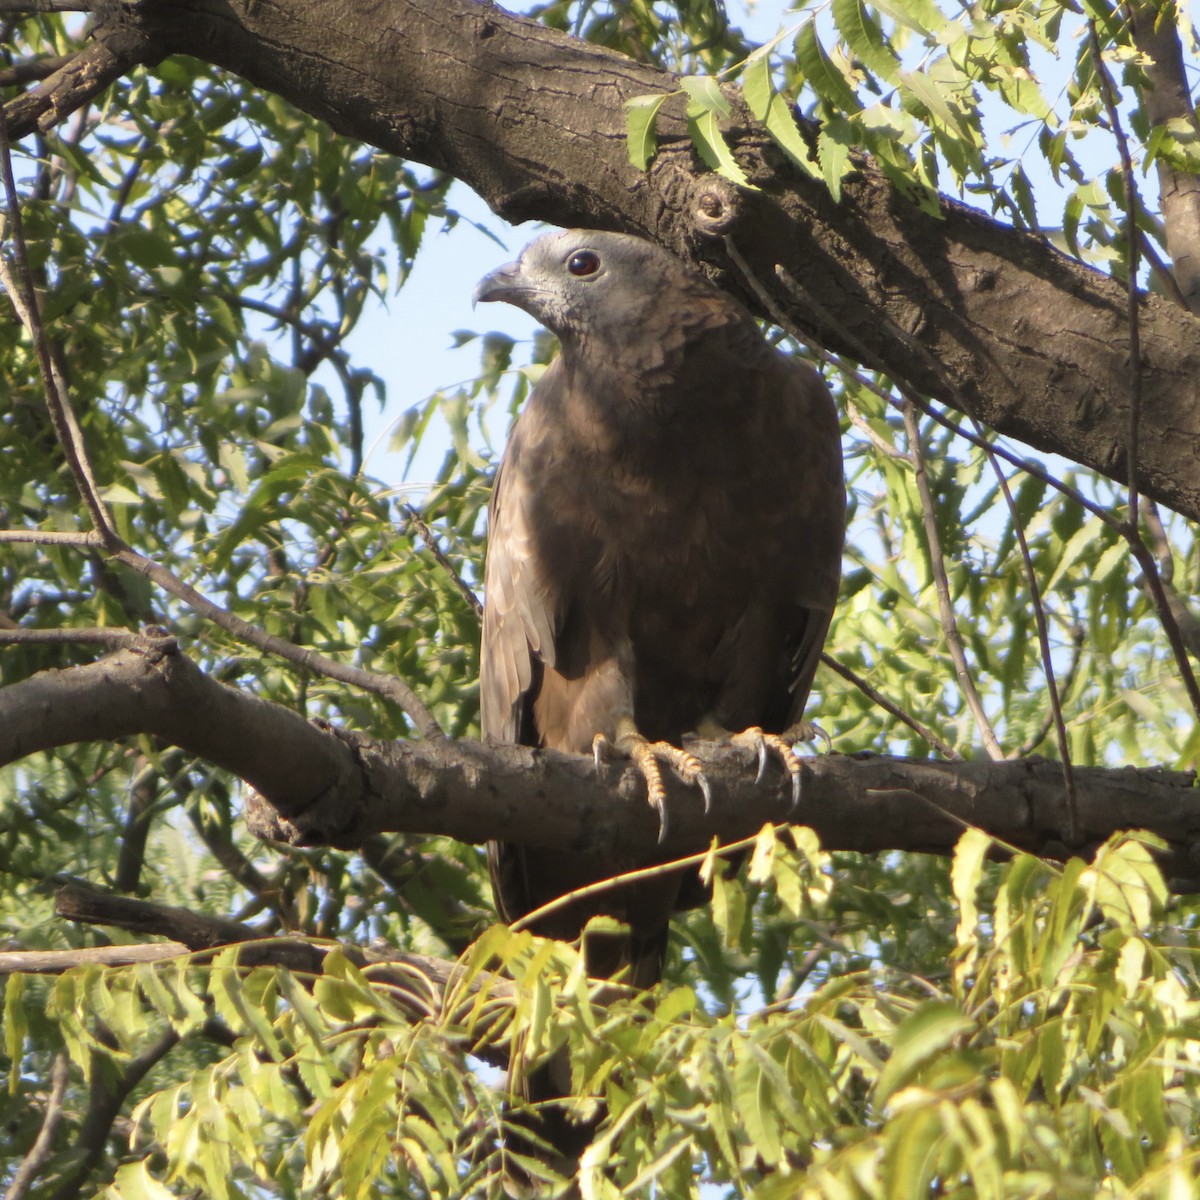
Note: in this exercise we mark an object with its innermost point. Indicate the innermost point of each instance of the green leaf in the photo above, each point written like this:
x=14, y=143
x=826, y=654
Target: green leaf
x=826, y=79
x=704, y=95
x=757, y=88
x=920, y=1037
x=965, y=873
x=712, y=147
x=833, y=151
x=781, y=125
x=865, y=38
x=16, y=1026
x=641, y=117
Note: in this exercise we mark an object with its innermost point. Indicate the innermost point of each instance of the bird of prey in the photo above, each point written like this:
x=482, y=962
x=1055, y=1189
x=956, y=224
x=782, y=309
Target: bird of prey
x=664, y=549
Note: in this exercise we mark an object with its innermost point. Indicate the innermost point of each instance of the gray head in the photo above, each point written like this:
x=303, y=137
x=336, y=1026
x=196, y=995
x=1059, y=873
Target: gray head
x=586, y=284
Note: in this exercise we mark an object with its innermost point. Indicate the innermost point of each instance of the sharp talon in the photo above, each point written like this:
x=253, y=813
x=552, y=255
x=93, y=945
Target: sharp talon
x=795, y=793
x=762, y=760
x=706, y=791
x=661, y=809
x=599, y=750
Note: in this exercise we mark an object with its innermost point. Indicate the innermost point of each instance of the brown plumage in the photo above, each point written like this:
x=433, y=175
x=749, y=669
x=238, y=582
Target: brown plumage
x=664, y=547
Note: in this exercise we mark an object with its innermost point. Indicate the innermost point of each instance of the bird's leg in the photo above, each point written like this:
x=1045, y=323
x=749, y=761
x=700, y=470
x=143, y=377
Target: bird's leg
x=762, y=745
x=646, y=756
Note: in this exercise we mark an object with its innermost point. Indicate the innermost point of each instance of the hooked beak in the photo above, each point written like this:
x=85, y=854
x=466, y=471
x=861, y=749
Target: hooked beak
x=499, y=284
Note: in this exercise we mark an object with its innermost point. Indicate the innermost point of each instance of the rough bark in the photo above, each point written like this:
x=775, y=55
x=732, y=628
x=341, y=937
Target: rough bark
x=1168, y=99
x=959, y=307
x=318, y=785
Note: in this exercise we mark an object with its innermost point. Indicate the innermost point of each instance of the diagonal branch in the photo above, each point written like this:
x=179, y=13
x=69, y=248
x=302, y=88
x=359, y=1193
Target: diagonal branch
x=39, y=1153
x=937, y=564
x=80, y=79
x=23, y=293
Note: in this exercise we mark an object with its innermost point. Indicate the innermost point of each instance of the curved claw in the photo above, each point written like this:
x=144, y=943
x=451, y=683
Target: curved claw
x=762, y=760
x=599, y=748
x=763, y=745
x=706, y=791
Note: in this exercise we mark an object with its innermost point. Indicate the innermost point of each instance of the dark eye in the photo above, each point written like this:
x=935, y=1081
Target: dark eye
x=583, y=262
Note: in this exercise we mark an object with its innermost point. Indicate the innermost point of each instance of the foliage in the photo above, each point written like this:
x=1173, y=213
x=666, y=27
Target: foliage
x=834, y=1026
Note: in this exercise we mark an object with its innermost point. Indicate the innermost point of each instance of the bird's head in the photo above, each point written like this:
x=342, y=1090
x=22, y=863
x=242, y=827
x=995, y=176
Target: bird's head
x=584, y=284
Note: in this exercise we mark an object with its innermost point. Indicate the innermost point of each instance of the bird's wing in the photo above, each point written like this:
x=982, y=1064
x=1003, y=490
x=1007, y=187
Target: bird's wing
x=822, y=514
x=790, y=546
x=521, y=595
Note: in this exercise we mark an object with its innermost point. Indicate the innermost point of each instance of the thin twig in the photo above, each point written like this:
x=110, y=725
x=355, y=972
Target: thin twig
x=1067, y=683
x=387, y=686
x=941, y=582
x=877, y=697
x=1132, y=244
x=1132, y=530
x=34, y=68
x=23, y=293
x=43, y=537
x=39, y=1152
x=97, y=637
x=422, y=527
x=636, y=876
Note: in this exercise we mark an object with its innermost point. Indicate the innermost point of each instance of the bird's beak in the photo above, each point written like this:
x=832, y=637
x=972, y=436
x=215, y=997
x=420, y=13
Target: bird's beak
x=499, y=284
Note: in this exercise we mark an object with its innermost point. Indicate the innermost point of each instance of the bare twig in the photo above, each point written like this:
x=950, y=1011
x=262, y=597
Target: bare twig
x=39, y=1152
x=55, y=962
x=1132, y=243
x=113, y=638
x=422, y=527
x=877, y=697
x=35, y=68
x=862, y=425
x=1068, y=681
x=42, y=537
x=386, y=686
x=23, y=294
x=937, y=565
x=1132, y=529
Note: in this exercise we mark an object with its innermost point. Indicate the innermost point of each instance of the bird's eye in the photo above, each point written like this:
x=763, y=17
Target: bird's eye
x=583, y=262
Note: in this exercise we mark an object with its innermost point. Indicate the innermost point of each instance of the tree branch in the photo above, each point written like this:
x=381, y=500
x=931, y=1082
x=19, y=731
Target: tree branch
x=40, y=1151
x=1168, y=99
x=320, y=785
x=937, y=564
x=962, y=308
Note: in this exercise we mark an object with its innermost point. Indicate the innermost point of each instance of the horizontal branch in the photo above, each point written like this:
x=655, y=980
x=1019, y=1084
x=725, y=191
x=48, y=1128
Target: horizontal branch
x=421, y=984
x=318, y=785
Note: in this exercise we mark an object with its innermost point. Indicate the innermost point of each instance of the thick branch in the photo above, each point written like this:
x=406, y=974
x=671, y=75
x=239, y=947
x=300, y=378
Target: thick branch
x=962, y=308
x=1168, y=100
x=330, y=787
x=153, y=689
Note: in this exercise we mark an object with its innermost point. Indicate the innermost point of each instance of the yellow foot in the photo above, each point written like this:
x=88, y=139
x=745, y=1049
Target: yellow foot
x=764, y=745
x=646, y=756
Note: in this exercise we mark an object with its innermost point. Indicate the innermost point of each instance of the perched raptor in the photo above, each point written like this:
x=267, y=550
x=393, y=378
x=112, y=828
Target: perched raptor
x=664, y=548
